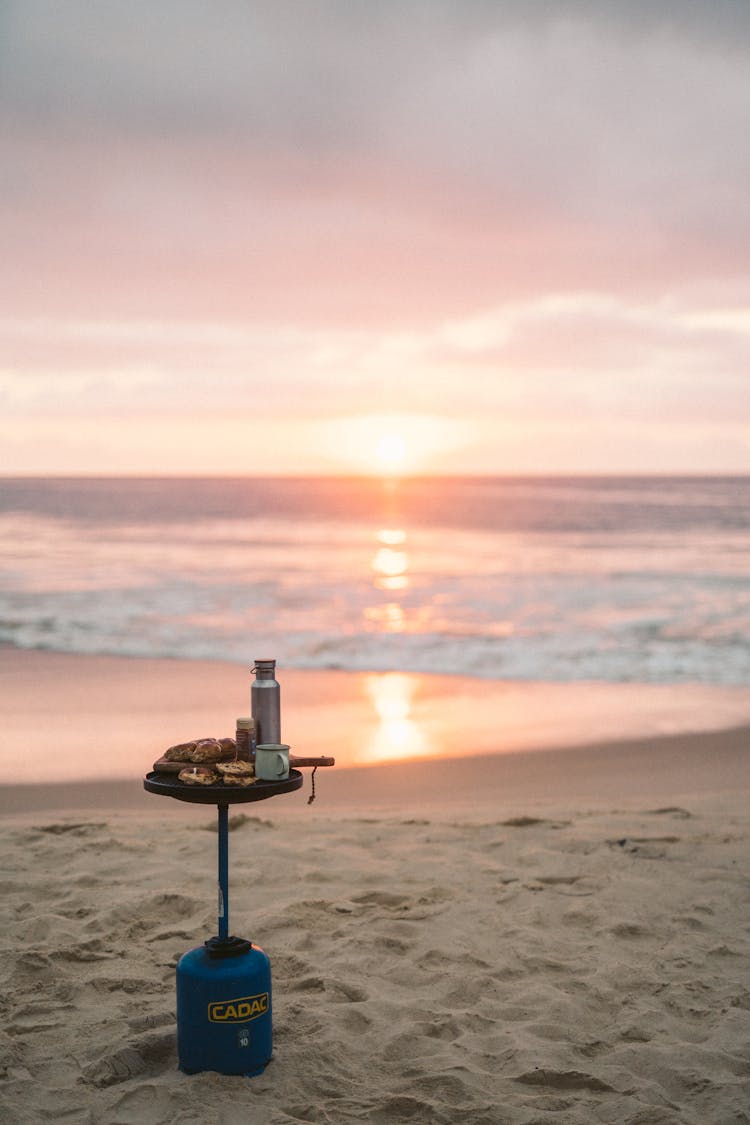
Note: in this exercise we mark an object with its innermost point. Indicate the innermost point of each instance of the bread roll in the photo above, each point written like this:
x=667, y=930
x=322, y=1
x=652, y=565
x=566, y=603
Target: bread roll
x=198, y=775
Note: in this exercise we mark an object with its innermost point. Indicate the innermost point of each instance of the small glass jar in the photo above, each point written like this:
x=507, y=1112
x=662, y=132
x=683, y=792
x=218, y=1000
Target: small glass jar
x=245, y=739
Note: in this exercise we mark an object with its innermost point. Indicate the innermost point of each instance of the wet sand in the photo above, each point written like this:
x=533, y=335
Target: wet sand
x=70, y=717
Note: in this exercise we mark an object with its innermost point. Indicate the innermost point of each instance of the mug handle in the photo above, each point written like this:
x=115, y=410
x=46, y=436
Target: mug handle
x=282, y=765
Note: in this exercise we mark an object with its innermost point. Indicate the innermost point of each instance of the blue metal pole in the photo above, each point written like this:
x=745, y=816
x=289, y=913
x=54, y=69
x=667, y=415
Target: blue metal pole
x=223, y=871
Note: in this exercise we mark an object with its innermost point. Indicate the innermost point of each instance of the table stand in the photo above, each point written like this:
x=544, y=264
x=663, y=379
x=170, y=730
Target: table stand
x=223, y=986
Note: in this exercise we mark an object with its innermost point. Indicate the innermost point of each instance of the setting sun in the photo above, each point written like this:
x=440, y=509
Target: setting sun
x=390, y=444
x=391, y=452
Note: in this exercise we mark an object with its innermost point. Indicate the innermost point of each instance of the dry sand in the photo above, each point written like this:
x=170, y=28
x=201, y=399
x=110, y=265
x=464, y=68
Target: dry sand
x=523, y=938
x=581, y=966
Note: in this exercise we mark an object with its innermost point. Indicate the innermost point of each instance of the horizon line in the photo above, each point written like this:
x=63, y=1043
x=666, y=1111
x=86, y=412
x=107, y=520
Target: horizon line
x=663, y=474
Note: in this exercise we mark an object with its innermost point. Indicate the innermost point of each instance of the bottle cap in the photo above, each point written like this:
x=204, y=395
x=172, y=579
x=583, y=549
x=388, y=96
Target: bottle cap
x=264, y=669
x=245, y=723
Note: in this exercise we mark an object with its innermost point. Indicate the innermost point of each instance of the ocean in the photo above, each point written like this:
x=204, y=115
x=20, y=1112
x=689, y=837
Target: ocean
x=555, y=579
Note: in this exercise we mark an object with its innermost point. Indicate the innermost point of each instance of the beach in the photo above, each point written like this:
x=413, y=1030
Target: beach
x=398, y=352
x=551, y=933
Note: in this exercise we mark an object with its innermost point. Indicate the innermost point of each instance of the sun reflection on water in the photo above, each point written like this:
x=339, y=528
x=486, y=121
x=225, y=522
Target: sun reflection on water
x=390, y=567
x=398, y=734
x=389, y=564
x=393, y=536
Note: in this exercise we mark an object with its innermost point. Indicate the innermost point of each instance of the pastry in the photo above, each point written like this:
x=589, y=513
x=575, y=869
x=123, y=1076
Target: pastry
x=180, y=752
x=201, y=750
x=207, y=750
x=198, y=775
x=235, y=769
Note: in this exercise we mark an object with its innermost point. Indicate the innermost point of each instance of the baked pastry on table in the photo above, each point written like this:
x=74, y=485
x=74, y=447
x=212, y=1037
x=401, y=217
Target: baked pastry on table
x=206, y=761
x=198, y=775
x=236, y=773
x=201, y=750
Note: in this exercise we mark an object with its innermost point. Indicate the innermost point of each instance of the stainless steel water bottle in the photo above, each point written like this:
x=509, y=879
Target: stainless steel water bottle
x=265, y=702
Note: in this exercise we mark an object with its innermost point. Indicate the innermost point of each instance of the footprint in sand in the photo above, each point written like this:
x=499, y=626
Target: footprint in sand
x=131, y=985
x=307, y=984
x=152, y=1105
x=84, y=951
x=441, y=958
x=403, y=1108
x=82, y=828
x=531, y=821
x=671, y=810
x=629, y=930
x=340, y=991
x=645, y=847
x=394, y=944
x=149, y=1022
x=521, y=822
x=152, y=1054
x=354, y=1022
x=382, y=898
x=152, y=918
x=561, y=884
x=564, y=1080
x=414, y=908
x=37, y=1017
x=346, y=992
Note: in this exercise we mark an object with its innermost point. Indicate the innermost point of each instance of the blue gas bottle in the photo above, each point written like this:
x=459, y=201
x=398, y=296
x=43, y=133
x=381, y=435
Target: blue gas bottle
x=224, y=1008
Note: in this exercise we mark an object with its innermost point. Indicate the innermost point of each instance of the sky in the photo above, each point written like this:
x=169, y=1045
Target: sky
x=338, y=236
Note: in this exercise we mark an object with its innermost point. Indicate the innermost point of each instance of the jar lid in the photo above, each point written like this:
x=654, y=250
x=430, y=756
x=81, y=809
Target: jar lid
x=245, y=723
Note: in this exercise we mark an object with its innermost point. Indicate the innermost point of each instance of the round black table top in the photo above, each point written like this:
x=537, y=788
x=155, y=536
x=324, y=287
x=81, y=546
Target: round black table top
x=168, y=786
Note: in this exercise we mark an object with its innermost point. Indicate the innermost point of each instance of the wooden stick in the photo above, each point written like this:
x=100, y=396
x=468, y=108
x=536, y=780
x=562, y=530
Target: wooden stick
x=295, y=761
